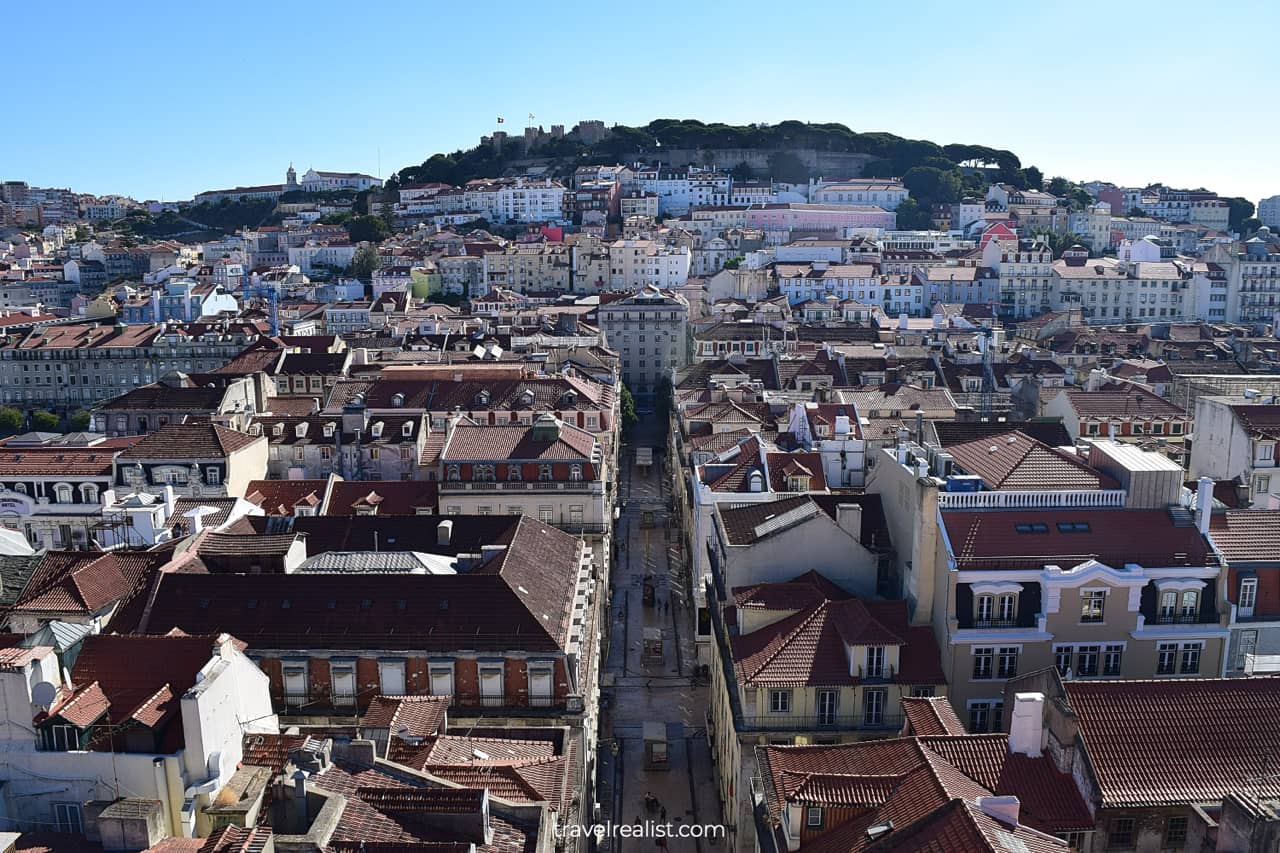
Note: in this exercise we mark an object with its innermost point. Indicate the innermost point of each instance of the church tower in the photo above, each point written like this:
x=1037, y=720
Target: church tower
x=291, y=178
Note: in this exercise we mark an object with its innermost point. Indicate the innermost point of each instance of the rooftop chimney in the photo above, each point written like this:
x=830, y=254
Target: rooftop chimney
x=1026, y=727
x=849, y=517
x=1204, y=504
x=902, y=322
x=1003, y=809
x=444, y=532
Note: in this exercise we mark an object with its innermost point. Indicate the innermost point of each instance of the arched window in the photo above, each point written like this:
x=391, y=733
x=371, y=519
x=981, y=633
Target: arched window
x=454, y=473
x=62, y=493
x=986, y=607
x=575, y=472
x=89, y=493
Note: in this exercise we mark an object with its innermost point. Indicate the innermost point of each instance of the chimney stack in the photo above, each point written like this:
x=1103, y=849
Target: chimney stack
x=1026, y=725
x=1204, y=504
x=849, y=519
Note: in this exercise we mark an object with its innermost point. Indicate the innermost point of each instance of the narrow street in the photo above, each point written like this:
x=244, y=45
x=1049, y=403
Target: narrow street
x=643, y=689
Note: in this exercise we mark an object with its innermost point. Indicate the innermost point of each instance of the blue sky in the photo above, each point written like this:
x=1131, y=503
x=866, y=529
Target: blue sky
x=162, y=100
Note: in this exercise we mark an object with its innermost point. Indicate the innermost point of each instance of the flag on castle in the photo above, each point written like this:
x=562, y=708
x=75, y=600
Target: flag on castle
x=501, y=119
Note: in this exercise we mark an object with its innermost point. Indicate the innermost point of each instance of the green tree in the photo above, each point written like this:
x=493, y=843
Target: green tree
x=733, y=263
x=932, y=186
x=367, y=229
x=788, y=167
x=80, y=421
x=743, y=172
x=627, y=405
x=42, y=421
x=10, y=420
x=912, y=216
x=1249, y=226
x=1239, y=209
x=364, y=262
x=1136, y=211
x=1035, y=178
x=1059, y=186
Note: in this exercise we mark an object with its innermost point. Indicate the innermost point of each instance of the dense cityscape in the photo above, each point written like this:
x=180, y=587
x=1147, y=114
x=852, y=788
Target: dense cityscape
x=764, y=488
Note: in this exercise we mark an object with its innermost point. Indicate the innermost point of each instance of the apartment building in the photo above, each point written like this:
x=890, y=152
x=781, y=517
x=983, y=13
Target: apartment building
x=524, y=268
x=1236, y=440
x=634, y=264
x=887, y=193
x=75, y=365
x=650, y=330
x=1024, y=268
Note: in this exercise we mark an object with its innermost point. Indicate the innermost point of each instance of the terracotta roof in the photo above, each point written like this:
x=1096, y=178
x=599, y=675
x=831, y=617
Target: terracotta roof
x=749, y=523
x=521, y=598
x=421, y=716
x=1247, y=536
x=237, y=545
x=133, y=678
x=271, y=750
x=1031, y=539
x=1013, y=460
x=930, y=788
x=1260, y=421
x=166, y=398
x=1179, y=741
x=279, y=497
x=53, y=461
x=1121, y=400
x=931, y=715
x=808, y=647
x=482, y=443
x=86, y=581
x=190, y=441
x=181, y=506
x=390, y=497
x=1052, y=433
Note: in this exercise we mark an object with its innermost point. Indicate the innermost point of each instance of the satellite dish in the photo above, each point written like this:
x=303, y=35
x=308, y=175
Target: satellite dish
x=43, y=695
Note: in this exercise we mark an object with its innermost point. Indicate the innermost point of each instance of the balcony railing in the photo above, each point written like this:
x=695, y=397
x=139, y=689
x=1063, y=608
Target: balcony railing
x=1183, y=619
x=1094, y=499
x=995, y=623
x=820, y=722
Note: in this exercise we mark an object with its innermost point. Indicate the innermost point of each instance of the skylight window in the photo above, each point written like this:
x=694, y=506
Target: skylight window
x=1036, y=527
x=1073, y=527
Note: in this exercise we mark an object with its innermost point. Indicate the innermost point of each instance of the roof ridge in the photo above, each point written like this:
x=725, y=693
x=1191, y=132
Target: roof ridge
x=804, y=620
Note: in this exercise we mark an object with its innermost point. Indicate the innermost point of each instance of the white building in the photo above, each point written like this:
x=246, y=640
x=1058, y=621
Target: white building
x=679, y=191
x=188, y=702
x=310, y=257
x=650, y=331
x=641, y=263
x=820, y=279
x=887, y=193
x=1024, y=268
x=315, y=181
x=1236, y=439
x=1269, y=212
x=1119, y=290
x=1093, y=224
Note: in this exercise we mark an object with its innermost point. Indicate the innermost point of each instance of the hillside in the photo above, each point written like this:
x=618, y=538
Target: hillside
x=791, y=151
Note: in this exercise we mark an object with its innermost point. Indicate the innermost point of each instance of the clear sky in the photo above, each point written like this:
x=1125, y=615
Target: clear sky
x=164, y=99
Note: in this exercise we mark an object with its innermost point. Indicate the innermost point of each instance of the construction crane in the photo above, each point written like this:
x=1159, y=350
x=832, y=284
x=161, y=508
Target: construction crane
x=269, y=293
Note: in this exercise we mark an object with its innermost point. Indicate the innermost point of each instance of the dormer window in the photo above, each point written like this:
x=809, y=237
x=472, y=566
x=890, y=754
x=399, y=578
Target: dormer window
x=513, y=473
x=482, y=399
x=301, y=430
x=482, y=473
x=797, y=483
x=755, y=482
x=329, y=430
x=453, y=473
x=875, y=662
x=376, y=431
x=575, y=472
x=62, y=493
x=397, y=400
x=544, y=473
x=407, y=429
x=278, y=430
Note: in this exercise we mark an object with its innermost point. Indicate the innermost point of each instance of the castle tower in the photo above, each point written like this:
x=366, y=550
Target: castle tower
x=291, y=178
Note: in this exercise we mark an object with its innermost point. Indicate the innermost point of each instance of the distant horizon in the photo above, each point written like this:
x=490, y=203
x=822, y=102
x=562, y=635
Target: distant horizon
x=158, y=104
x=515, y=128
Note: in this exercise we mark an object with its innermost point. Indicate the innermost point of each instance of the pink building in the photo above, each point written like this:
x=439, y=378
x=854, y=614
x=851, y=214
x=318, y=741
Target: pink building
x=818, y=217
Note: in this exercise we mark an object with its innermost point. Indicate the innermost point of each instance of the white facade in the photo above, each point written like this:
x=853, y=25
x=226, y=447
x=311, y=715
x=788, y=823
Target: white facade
x=1269, y=212
x=881, y=192
x=1225, y=448
x=1024, y=268
x=314, y=181
x=678, y=192
x=44, y=789
x=307, y=258
x=1094, y=225
x=638, y=263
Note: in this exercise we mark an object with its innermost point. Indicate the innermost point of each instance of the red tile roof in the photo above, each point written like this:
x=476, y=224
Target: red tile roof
x=807, y=648
x=418, y=716
x=279, y=497
x=389, y=497
x=1260, y=421
x=931, y=715
x=1032, y=539
x=521, y=598
x=1014, y=460
x=914, y=782
x=132, y=678
x=470, y=442
x=1120, y=401
x=190, y=441
x=1247, y=536
x=1179, y=741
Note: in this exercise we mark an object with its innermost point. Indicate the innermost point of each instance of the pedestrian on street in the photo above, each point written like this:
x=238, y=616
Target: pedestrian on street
x=663, y=814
